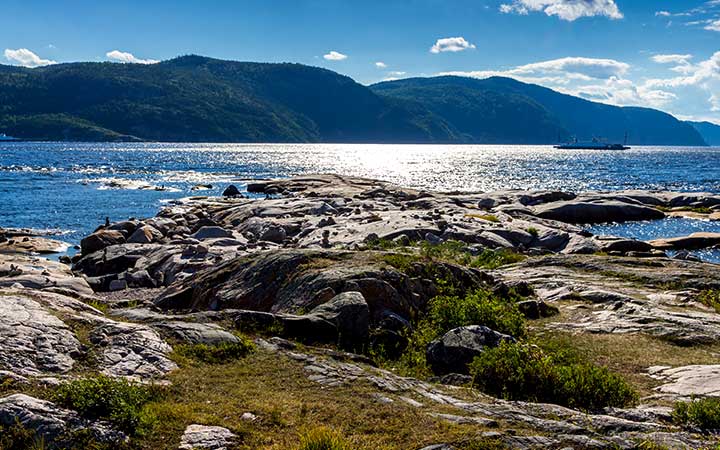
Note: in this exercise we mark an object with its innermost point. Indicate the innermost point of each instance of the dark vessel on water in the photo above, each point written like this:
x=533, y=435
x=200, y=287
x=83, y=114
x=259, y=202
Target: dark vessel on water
x=595, y=144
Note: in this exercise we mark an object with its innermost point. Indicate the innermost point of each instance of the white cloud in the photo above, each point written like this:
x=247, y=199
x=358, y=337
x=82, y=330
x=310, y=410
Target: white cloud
x=129, y=58
x=694, y=74
x=714, y=103
x=335, y=56
x=451, y=44
x=713, y=26
x=672, y=59
x=381, y=65
x=26, y=58
x=569, y=10
x=396, y=73
x=662, y=14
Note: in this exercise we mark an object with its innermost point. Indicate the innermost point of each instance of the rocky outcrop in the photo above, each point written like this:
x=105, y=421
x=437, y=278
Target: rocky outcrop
x=203, y=437
x=100, y=240
x=458, y=347
x=692, y=242
x=597, y=211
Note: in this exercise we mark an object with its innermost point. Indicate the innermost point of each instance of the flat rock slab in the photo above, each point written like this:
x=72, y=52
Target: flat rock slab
x=694, y=241
x=39, y=273
x=33, y=245
x=688, y=381
x=34, y=341
x=202, y=437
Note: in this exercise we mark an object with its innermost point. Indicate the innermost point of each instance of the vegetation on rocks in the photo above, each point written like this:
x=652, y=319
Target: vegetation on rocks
x=699, y=413
x=450, y=251
x=220, y=353
x=323, y=439
x=119, y=401
x=520, y=371
x=710, y=298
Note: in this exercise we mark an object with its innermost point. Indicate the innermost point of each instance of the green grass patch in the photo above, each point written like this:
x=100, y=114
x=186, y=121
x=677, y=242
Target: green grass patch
x=533, y=231
x=221, y=353
x=488, y=217
x=711, y=298
x=520, y=371
x=119, y=401
x=699, y=413
x=324, y=439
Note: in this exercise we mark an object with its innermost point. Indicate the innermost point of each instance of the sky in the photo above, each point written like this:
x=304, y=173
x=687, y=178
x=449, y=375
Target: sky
x=663, y=54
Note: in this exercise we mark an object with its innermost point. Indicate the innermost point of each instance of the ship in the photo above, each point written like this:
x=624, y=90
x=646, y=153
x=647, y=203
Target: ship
x=5, y=138
x=595, y=144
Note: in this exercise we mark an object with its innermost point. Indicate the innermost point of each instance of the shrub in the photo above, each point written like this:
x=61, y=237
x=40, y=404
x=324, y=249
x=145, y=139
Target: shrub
x=699, y=413
x=524, y=372
x=533, y=231
x=118, y=401
x=20, y=437
x=457, y=252
x=479, y=307
x=711, y=298
x=323, y=439
x=216, y=354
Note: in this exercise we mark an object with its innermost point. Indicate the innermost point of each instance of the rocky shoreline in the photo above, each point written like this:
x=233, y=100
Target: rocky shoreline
x=325, y=267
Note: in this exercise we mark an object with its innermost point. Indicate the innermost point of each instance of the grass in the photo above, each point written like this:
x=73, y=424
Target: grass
x=520, y=371
x=220, y=353
x=703, y=414
x=323, y=438
x=121, y=402
x=533, y=231
x=276, y=389
x=628, y=355
x=487, y=217
x=710, y=298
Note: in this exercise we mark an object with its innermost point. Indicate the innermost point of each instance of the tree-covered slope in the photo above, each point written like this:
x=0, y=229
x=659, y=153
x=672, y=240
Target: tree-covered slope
x=201, y=99
x=709, y=131
x=506, y=110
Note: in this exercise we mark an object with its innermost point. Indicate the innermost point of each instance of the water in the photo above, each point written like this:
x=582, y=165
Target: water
x=68, y=187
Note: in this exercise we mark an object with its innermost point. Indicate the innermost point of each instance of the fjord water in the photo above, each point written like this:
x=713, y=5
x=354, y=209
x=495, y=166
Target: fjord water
x=70, y=188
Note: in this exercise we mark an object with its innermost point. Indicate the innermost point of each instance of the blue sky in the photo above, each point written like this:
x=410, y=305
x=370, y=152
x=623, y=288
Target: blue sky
x=663, y=54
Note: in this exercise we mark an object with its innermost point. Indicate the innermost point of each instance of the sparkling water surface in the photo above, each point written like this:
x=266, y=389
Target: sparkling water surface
x=69, y=188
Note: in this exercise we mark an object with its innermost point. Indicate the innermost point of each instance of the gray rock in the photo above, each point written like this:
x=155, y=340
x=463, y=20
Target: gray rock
x=202, y=437
x=212, y=232
x=195, y=333
x=145, y=235
x=101, y=239
x=273, y=233
x=232, y=191
x=596, y=211
x=350, y=314
x=118, y=285
x=456, y=349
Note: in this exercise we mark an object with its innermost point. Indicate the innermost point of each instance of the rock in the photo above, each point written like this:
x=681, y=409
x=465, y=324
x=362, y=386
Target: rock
x=195, y=333
x=100, y=240
x=273, y=233
x=624, y=245
x=118, y=285
x=456, y=349
x=350, y=314
x=533, y=309
x=202, y=437
x=688, y=381
x=693, y=242
x=54, y=425
x=212, y=232
x=596, y=211
x=32, y=245
x=145, y=235
x=231, y=191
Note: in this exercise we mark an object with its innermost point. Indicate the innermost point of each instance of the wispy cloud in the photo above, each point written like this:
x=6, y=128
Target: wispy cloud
x=128, y=58
x=672, y=59
x=663, y=14
x=335, y=56
x=26, y=58
x=713, y=25
x=569, y=10
x=381, y=65
x=451, y=44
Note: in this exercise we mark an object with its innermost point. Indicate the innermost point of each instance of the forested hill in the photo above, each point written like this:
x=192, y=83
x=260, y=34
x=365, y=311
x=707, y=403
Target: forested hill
x=508, y=111
x=199, y=99
x=709, y=131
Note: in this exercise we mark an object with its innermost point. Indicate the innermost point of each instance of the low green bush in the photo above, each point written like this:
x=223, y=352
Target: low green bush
x=699, y=413
x=323, y=439
x=519, y=371
x=533, y=231
x=19, y=437
x=119, y=401
x=711, y=298
x=221, y=353
x=456, y=252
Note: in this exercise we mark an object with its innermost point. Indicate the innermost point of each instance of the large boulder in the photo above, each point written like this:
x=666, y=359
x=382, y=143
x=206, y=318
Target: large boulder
x=145, y=235
x=100, y=240
x=596, y=211
x=212, y=232
x=202, y=437
x=458, y=347
x=349, y=313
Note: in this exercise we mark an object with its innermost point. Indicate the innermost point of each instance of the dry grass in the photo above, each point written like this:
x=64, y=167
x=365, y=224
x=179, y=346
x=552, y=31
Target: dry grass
x=630, y=354
x=287, y=404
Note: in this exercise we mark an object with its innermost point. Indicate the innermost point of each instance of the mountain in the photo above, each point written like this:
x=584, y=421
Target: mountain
x=194, y=98
x=709, y=131
x=506, y=110
x=198, y=99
